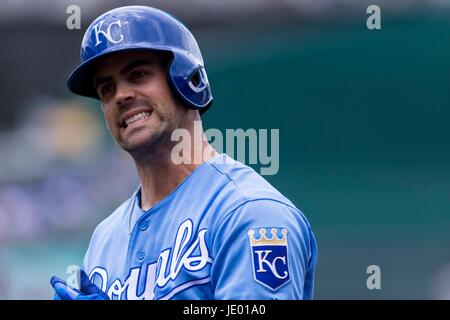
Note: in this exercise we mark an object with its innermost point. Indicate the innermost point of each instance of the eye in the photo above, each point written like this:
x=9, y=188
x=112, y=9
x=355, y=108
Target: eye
x=135, y=75
x=107, y=88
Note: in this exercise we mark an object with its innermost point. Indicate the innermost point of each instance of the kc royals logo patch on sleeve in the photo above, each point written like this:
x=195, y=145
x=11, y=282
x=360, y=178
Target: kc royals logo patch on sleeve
x=269, y=256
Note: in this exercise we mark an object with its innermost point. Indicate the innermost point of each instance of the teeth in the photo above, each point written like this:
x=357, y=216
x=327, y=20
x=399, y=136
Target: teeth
x=136, y=117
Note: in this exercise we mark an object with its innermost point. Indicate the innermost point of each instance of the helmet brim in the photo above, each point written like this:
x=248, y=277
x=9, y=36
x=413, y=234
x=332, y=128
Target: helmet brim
x=81, y=80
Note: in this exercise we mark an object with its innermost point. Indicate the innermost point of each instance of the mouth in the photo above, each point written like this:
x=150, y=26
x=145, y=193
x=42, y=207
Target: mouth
x=134, y=118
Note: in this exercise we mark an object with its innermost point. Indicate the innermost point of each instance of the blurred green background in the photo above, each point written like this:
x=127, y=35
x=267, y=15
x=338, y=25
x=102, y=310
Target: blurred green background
x=365, y=145
x=364, y=150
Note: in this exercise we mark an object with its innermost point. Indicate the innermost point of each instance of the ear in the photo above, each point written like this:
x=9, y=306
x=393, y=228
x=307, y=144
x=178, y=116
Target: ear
x=195, y=115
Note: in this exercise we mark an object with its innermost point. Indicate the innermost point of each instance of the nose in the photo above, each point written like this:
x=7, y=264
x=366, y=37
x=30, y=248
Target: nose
x=124, y=94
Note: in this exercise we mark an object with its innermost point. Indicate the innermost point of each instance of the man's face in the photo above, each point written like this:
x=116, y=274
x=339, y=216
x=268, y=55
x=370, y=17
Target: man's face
x=138, y=105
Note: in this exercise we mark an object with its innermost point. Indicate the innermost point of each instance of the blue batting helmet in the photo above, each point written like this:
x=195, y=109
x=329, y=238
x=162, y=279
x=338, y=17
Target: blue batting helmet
x=140, y=27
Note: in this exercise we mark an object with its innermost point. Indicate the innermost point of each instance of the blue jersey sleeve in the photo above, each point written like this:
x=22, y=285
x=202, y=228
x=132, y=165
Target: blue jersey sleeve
x=264, y=249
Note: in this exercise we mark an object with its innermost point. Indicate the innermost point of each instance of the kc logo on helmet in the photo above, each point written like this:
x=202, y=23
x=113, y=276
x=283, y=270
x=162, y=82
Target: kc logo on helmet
x=98, y=30
x=270, y=258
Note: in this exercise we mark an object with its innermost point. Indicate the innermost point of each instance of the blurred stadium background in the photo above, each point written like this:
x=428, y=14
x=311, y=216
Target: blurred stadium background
x=364, y=127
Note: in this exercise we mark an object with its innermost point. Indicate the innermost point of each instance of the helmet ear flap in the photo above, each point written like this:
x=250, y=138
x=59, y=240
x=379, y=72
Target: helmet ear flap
x=190, y=81
x=198, y=80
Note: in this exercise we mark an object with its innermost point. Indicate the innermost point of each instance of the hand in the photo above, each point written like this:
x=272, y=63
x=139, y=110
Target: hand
x=87, y=291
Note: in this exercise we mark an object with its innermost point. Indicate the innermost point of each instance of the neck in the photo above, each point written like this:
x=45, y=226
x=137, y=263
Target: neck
x=160, y=175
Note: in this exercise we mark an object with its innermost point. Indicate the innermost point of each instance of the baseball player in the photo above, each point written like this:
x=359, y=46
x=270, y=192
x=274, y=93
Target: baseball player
x=212, y=229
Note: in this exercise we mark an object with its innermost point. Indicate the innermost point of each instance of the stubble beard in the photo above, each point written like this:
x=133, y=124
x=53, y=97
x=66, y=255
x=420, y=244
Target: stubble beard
x=155, y=148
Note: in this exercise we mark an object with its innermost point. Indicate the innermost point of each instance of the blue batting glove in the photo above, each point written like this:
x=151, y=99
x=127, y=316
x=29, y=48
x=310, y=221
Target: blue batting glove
x=87, y=291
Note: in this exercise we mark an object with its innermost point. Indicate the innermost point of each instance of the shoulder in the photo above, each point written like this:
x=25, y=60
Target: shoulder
x=247, y=195
x=248, y=201
x=115, y=217
x=111, y=224
x=102, y=233
x=244, y=181
x=263, y=215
